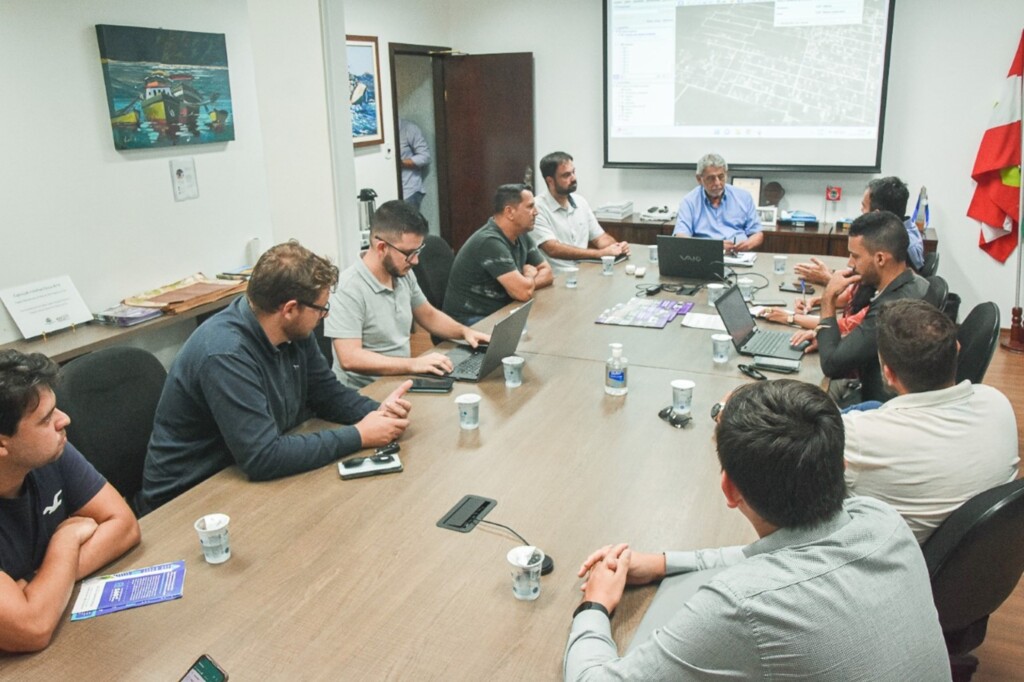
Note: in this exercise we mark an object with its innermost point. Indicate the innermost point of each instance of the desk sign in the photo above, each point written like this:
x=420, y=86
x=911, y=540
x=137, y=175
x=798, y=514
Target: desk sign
x=45, y=307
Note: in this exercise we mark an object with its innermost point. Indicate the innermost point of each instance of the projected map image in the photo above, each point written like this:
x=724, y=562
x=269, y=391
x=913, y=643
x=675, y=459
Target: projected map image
x=736, y=67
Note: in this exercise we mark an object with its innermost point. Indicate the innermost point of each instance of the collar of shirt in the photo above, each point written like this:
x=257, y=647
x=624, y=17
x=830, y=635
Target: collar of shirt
x=252, y=325
x=943, y=396
x=786, y=537
x=552, y=203
x=371, y=280
x=707, y=200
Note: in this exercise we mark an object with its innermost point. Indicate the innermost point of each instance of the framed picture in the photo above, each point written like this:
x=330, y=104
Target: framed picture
x=768, y=215
x=752, y=185
x=364, y=90
x=165, y=88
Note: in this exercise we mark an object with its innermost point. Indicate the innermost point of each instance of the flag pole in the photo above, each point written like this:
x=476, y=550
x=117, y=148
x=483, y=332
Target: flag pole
x=1016, y=341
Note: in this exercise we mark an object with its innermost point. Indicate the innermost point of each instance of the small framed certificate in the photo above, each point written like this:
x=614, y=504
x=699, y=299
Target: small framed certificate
x=46, y=306
x=751, y=185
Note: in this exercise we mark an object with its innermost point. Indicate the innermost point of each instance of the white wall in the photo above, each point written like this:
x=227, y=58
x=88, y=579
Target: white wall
x=949, y=58
x=73, y=205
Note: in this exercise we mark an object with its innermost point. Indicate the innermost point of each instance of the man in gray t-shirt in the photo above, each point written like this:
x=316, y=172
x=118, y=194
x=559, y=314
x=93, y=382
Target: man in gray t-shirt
x=377, y=300
x=499, y=263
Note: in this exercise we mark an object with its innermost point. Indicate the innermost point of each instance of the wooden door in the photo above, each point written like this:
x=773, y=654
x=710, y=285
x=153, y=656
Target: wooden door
x=484, y=112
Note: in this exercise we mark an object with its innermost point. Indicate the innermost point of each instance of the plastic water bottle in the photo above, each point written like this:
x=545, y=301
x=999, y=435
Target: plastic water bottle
x=616, y=372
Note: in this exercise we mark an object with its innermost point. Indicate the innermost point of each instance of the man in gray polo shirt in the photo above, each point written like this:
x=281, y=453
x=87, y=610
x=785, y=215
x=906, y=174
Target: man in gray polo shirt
x=378, y=298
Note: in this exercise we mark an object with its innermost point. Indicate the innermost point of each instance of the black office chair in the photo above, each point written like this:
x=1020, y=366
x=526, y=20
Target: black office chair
x=433, y=268
x=938, y=292
x=975, y=559
x=930, y=265
x=978, y=336
x=323, y=342
x=111, y=397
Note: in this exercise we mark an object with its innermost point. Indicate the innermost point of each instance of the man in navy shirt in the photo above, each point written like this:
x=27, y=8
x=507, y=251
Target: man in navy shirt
x=59, y=519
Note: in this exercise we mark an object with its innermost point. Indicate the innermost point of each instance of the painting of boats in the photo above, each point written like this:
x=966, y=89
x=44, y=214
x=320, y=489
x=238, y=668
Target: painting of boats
x=363, y=89
x=165, y=88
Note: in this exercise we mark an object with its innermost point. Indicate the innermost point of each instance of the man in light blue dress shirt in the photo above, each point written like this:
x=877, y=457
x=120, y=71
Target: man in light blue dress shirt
x=717, y=210
x=834, y=589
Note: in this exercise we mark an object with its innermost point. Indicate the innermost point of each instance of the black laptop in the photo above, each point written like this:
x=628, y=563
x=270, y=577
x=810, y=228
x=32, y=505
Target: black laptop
x=748, y=339
x=691, y=258
x=473, y=364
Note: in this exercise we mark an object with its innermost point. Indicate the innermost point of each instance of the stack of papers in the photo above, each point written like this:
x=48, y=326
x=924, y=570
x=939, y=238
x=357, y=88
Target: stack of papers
x=618, y=211
x=743, y=259
x=186, y=294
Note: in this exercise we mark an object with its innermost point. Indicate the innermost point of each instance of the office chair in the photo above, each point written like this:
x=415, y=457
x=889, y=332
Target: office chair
x=323, y=342
x=111, y=397
x=978, y=336
x=938, y=292
x=930, y=266
x=432, y=270
x=975, y=559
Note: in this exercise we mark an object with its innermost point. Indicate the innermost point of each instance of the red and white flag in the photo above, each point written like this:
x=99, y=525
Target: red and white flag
x=996, y=201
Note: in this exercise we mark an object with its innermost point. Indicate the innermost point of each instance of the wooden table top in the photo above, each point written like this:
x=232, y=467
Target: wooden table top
x=333, y=579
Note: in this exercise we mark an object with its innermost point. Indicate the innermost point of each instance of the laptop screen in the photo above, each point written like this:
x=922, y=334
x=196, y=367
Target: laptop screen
x=690, y=258
x=735, y=316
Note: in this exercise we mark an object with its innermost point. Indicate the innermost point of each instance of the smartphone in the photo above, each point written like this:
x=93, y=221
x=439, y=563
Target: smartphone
x=205, y=669
x=795, y=288
x=429, y=385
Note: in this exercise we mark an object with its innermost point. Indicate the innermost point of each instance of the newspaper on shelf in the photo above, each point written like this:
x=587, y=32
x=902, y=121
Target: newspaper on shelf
x=186, y=294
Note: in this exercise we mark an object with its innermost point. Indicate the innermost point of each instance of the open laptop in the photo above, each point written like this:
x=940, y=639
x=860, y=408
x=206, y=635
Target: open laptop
x=473, y=364
x=748, y=339
x=690, y=258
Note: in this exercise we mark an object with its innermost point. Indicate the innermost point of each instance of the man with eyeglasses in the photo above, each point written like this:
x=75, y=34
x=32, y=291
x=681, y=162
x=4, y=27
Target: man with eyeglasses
x=377, y=300
x=499, y=263
x=717, y=210
x=252, y=373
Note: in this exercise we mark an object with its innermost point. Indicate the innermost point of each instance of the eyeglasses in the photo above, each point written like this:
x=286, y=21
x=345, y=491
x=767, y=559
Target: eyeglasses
x=409, y=255
x=324, y=310
x=674, y=418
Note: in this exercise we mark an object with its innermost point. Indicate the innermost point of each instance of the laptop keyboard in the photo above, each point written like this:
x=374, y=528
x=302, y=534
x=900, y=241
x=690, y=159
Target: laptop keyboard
x=769, y=343
x=470, y=366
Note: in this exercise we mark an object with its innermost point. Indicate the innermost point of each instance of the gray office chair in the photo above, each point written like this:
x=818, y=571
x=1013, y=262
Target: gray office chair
x=938, y=292
x=978, y=337
x=975, y=559
x=111, y=396
x=930, y=266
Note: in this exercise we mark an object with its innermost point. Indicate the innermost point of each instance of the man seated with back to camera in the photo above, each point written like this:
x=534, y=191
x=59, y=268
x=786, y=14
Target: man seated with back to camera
x=937, y=443
x=377, y=299
x=715, y=209
x=59, y=518
x=835, y=588
x=878, y=262
x=252, y=373
x=499, y=263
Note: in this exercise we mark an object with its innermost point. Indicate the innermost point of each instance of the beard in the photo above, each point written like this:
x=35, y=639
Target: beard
x=566, y=191
x=391, y=268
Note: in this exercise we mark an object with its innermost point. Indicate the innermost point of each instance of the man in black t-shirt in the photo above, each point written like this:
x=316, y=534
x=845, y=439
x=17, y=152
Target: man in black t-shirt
x=498, y=264
x=59, y=519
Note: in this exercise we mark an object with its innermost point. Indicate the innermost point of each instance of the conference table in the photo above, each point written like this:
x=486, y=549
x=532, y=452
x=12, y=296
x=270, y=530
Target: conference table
x=333, y=579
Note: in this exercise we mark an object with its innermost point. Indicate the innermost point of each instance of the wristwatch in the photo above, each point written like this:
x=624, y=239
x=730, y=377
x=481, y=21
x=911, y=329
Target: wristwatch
x=591, y=605
x=790, y=319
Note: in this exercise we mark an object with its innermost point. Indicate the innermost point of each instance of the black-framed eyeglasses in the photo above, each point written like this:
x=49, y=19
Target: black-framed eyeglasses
x=409, y=255
x=324, y=310
x=674, y=418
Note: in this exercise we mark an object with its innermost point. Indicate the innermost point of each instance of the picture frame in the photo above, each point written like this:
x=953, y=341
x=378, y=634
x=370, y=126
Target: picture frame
x=768, y=215
x=750, y=184
x=363, y=58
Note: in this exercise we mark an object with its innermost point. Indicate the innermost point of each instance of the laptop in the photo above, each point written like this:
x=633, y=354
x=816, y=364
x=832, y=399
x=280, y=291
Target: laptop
x=691, y=258
x=473, y=364
x=748, y=339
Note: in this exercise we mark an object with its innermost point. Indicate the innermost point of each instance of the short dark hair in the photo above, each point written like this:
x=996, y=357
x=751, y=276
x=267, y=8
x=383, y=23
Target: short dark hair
x=550, y=163
x=21, y=376
x=917, y=341
x=396, y=218
x=288, y=272
x=781, y=443
x=510, y=195
x=882, y=231
x=888, y=194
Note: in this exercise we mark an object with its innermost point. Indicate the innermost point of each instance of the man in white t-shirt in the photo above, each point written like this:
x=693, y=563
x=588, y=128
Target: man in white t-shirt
x=938, y=443
x=566, y=230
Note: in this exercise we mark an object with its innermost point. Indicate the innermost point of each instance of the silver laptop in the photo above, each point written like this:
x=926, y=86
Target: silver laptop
x=473, y=364
x=748, y=339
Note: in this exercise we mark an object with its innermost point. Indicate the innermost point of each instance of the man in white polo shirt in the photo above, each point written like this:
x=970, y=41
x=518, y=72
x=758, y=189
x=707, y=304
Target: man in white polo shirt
x=566, y=230
x=377, y=299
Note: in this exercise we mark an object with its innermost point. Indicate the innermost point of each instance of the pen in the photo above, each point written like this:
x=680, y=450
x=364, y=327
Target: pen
x=803, y=291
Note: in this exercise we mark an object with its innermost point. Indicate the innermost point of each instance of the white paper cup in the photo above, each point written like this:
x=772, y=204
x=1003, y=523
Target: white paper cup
x=572, y=277
x=652, y=253
x=526, y=563
x=779, y=265
x=715, y=291
x=513, y=366
x=682, y=396
x=469, y=410
x=608, y=265
x=213, y=536
x=746, y=287
x=720, y=345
